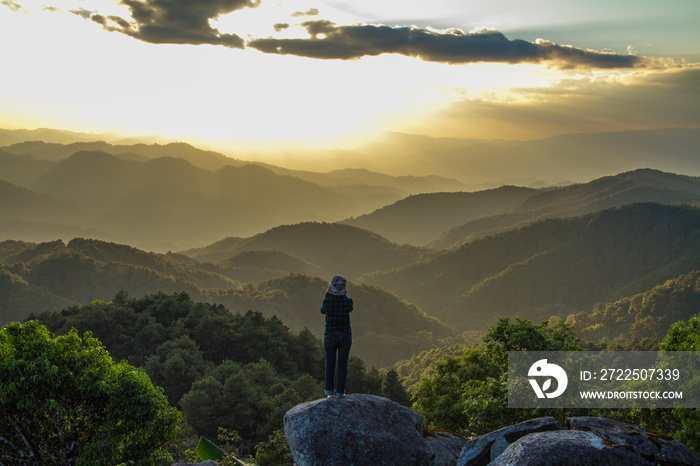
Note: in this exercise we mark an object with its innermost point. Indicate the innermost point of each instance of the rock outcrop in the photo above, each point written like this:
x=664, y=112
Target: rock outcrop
x=371, y=430
x=365, y=430
x=585, y=440
x=482, y=450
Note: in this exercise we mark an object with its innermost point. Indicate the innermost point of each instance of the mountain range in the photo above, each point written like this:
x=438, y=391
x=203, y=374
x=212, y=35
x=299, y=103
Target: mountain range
x=428, y=260
x=174, y=196
x=444, y=220
x=418, y=299
x=553, y=160
x=552, y=267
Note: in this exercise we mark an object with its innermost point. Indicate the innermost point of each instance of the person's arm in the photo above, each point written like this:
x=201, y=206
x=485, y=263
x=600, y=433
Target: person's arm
x=350, y=303
x=323, y=306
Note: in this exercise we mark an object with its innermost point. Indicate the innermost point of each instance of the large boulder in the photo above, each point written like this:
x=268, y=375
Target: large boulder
x=480, y=451
x=596, y=441
x=365, y=430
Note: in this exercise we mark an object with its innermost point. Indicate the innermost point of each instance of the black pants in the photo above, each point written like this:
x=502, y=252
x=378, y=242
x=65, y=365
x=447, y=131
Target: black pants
x=337, y=344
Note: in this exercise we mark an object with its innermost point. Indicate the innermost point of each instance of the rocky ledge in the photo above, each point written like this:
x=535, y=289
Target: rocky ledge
x=371, y=430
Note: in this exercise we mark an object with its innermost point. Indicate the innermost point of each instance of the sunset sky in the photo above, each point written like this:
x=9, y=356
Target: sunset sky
x=328, y=72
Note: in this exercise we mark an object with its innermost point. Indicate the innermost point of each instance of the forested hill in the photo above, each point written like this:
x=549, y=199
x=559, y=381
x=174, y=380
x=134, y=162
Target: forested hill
x=646, y=315
x=553, y=267
x=642, y=185
x=333, y=247
x=421, y=218
x=444, y=220
x=51, y=276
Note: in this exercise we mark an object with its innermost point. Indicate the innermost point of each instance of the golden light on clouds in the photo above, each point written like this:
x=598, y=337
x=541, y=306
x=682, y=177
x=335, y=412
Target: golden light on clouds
x=326, y=73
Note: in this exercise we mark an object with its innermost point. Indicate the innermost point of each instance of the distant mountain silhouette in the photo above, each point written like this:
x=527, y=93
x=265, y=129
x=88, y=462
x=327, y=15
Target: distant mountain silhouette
x=159, y=197
x=14, y=136
x=22, y=170
x=478, y=164
x=579, y=157
x=445, y=220
x=361, y=178
x=168, y=203
x=421, y=218
x=21, y=203
x=643, y=185
x=208, y=160
x=552, y=267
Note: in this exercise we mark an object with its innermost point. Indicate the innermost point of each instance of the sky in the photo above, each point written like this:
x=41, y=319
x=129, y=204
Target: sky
x=329, y=73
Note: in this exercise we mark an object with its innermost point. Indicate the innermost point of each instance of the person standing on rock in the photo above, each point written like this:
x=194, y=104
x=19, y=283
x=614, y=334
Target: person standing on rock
x=337, y=338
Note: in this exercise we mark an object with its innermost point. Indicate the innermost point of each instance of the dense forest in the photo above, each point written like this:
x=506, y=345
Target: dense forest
x=238, y=372
x=53, y=275
x=552, y=267
x=646, y=315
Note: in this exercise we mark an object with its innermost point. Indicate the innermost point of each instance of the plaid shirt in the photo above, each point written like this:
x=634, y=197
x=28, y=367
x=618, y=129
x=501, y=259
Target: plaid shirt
x=337, y=310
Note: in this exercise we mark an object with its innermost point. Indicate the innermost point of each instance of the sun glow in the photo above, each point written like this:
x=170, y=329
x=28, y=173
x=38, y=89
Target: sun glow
x=70, y=73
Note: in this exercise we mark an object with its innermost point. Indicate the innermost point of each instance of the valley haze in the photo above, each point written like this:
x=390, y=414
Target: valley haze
x=174, y=196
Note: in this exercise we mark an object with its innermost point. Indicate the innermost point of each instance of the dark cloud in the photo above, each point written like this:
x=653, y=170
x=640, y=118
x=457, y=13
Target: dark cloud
x=309, y=12
x=175, y=21
x=187, y=22
x=329, y=41
x=281, y=26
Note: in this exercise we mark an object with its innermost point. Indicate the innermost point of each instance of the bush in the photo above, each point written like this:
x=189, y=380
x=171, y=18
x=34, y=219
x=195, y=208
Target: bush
x=64, y=400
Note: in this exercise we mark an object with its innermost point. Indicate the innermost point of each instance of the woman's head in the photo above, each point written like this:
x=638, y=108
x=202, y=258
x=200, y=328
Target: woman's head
x=337, y=285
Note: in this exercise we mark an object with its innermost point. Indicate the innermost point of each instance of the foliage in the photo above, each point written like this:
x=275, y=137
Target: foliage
x=685, y=336
x=645, y=315
x=239, y=372
x=17, y=296
x=52, y=276
x=468, y=393
x=523, y=335
x=423, y=364
x=63, y=399
x=274, y=452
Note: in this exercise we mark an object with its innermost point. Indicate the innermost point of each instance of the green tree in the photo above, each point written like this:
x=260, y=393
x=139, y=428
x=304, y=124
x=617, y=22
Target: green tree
x=175, y=366
x=274, y=452
x=394, y=390
x=469, y=393
x=442, y=397
x=685, y=336
x=63, y=400
x=523, y=335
